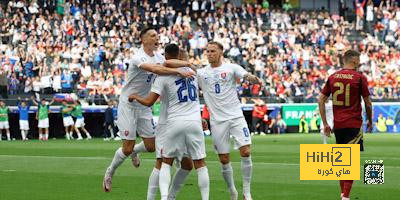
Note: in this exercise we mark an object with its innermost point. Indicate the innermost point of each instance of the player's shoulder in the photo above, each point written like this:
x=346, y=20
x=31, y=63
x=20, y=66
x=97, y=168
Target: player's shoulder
x=231, y=65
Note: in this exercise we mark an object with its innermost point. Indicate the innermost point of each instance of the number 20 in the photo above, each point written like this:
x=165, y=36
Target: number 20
x=342, y=89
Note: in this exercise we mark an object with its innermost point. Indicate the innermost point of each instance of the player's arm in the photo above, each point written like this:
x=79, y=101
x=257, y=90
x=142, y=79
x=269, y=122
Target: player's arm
x=175, y=63
x=162, y=70
x=148, y=101
x=52, y=101
x=322, y=111
x=252, y=78
x=368, y=109
x=34, y=101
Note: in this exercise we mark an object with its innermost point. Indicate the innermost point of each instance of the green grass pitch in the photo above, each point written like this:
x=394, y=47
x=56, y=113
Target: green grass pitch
x=60, y=169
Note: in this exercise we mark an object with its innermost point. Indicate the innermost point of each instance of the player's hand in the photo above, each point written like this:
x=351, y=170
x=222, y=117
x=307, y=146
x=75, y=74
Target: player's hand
x=132, y=97
x=327, y=130
x=186, y=72
x=369, y=127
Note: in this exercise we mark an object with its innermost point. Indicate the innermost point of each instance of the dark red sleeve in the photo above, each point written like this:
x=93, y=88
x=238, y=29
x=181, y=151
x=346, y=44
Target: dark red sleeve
x=364, y=86
x=327, y=89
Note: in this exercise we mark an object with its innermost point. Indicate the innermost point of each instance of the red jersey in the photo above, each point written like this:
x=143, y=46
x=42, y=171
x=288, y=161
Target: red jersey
x=346, y=86
x=205, y=114
x=259, y=111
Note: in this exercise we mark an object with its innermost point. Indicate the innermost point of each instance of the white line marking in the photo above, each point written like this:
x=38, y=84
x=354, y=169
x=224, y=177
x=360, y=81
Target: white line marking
x=148, y=160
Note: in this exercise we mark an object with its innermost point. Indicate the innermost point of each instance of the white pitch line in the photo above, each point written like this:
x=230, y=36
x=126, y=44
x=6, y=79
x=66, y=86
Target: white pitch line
x=146, y=160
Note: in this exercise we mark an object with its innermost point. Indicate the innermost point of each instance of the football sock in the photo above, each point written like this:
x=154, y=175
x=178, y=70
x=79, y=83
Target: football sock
x=324, y=139
x=203, y=181
x=8, y=136
x=227, y=173
x=153, y=184
x=247, y=170
x=177, y=182
x=341, y=186
x=118, y=159
x=23, y=134
x=139, y=148
x=347, y=188
x=165, y=180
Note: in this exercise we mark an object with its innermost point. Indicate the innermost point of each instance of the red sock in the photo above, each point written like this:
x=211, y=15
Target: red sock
x=341, y=186
x=347, y=188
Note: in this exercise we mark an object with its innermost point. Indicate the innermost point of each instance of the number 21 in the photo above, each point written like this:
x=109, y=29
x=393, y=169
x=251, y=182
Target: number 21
x=342, y=89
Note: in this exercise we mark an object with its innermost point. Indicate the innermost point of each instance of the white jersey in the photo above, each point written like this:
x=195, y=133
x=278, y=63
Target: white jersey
x=137, y=80
x=162, y=119
x=219, y=90
x=181, y=95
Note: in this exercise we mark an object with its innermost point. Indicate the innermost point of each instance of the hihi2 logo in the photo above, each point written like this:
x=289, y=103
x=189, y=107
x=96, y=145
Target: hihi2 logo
x=329, y=162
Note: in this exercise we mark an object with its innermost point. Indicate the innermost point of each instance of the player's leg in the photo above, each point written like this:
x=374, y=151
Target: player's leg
x=127, y=123
x=154, y=176
x=240, y=133
x=120, y=155
x=66, y=131
x=348, y=136
x=146, y=131
x=180, y=177
x=1, y=134
x=220, y=136
x=165, y=177
x=195, y=146
x=88, y=136
x=46, y=133
x=7, y=126
x=78, y=132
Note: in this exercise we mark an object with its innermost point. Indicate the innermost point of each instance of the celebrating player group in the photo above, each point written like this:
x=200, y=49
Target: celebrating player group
x=178, y=135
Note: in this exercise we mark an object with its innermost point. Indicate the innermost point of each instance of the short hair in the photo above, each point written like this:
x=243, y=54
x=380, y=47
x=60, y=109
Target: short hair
x=145, y=30
x=350, y=54
x=219, y=45
x=171, y=51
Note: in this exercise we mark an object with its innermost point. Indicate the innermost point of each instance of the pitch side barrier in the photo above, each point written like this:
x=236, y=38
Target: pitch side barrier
x=290, y=112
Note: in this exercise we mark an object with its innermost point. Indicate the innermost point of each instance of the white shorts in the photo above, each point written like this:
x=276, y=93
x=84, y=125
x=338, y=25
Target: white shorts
x=80, y=122
x=43, y=123
x=24, y=125
x=221, y=132
x=132, y=120
x=68, y=121
x=4, y=125
x=183, y=136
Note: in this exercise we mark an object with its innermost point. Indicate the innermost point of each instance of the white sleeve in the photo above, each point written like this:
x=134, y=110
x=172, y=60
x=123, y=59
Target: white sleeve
x=239, y=71
x=158, y=85
x=136, y=62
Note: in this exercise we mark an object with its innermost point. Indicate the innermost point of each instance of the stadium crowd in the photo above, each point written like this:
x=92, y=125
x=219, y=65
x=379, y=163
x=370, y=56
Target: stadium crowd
x=85, y=46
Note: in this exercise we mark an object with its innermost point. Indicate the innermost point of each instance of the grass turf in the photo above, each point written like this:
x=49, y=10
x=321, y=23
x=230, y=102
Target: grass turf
x=60, y=169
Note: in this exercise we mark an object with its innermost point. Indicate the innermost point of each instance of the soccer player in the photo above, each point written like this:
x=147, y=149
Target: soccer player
x=132, y=116
x=347, y=86
x=183, y=128
x=68, y=122
x=23, y=109
x=80, y=120
x=4, y=125
x=218, y=83
x=43, y=116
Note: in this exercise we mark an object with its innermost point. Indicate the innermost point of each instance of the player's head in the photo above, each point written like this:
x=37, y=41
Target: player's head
x=215, y=51
x=183, y=55
x=2, y=103
x=110, y=103
x=64, y=102
x=171, y=51
x=351, y=58
x=23, y=103
x=149, y=38
x=43, y=101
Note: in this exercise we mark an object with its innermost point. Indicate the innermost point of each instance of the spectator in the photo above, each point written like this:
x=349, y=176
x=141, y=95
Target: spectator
x=3, y=84
x=259, y=110
x=280, y=125
x=109, y=122
x=66, y=82
x=303, y=125
x=381, y=124
x=268, y=125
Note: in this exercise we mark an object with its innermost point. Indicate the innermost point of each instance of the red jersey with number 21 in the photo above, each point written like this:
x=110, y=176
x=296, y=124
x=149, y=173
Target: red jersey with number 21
x=346, y=86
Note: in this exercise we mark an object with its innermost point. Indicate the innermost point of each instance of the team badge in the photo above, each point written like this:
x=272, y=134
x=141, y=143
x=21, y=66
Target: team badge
x=223, y=75
x=126, y=133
